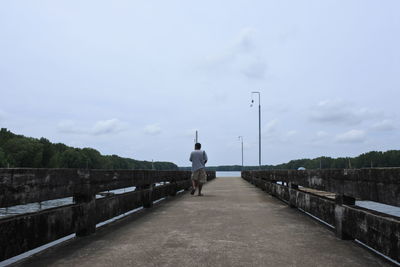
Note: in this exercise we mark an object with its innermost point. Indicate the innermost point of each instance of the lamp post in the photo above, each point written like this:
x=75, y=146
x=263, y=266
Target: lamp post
x=241, y=138
x=259, y=124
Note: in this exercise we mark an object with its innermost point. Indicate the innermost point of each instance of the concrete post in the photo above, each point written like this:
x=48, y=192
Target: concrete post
x=262, y=185
x=147, y=195
x=172, y=189
x=292, y=195
x=272, y=188
x=341, y=222
x=84, y=195
x=268, y=186
x=188, y=185
x=188, y=182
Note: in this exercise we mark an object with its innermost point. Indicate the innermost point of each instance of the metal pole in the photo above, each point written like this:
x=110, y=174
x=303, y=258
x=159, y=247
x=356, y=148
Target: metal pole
x=241, y=138
x=259, y=132
x=197, y=137
x=242, y=153
x=259, y=127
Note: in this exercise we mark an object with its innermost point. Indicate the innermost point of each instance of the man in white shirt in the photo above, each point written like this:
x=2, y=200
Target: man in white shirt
x=199, y=159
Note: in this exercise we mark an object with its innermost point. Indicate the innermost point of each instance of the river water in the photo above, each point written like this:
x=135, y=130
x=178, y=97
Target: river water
x=228, y=174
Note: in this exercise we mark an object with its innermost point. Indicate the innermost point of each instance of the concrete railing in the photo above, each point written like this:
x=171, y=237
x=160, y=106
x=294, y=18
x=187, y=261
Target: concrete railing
x=377, y=230
x=376, y=184
x=24, y=232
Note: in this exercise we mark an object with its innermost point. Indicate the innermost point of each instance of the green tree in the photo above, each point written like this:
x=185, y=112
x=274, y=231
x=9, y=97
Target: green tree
x=23, y=152
x=72, y=158
x=5, y=135
x=48, y=152
x=3, y=159
x=94, y=158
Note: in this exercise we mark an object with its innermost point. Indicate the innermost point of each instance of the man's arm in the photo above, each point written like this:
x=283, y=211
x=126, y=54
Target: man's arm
x=190, y=158
x=205, y=157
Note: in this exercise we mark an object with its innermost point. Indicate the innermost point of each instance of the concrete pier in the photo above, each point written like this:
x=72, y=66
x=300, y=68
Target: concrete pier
x=233, y=224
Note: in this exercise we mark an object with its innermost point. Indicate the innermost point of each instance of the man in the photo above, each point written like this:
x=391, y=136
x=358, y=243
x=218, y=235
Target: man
x=198, y=158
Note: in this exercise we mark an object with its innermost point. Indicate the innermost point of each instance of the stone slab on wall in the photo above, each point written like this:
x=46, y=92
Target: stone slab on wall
x=375, y=184
x=21, y=186
x=379, y=231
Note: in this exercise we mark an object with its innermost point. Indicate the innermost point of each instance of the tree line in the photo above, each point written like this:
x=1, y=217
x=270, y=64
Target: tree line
x=372, y=159
x=20, y=151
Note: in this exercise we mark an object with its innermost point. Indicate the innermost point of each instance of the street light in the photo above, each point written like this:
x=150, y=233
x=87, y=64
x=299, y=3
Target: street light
x=259, y=124
x=241, y=138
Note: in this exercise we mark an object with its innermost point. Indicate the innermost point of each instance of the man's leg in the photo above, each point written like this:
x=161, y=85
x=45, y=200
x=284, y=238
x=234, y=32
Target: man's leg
x=202, y=180
x=200, y=187
x=194, y=184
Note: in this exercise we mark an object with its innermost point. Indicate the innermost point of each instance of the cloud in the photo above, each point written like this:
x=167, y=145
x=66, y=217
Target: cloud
x=291, y=133
x=221, y=97
x=152, y=129
x=69, y=127
x=273, y=132
x=287, y=136
x=108, y=127
x=2, y=115
x=237, y=144
x=102, y=127
x=242, y=56
x=320, y=137
x=245, y=40
x=341, y=112
x=189, y=133
x=384, y=126
x=285, y=36
x=271, y=127
x=254, y=68
x=352, y=136
x=321, y=134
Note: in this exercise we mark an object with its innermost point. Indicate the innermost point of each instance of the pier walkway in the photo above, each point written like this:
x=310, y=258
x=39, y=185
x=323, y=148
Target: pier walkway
x=233, y=224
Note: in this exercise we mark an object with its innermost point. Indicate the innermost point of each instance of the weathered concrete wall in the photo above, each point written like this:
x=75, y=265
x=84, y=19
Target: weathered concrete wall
x=21, y=186
x=374, y=229
x=112, y=206
x=375, y=184
x=281, y=192
x=320, y=207
x=379, y=231
x=211, y=175
x=25, y=232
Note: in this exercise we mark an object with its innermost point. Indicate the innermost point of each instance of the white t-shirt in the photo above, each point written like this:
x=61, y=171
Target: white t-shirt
x=198, y=159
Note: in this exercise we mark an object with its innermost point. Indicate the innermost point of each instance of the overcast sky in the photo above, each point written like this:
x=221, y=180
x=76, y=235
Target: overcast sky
x=137, y=78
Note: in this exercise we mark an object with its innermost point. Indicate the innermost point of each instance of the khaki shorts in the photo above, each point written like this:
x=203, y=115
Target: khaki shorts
x=200, y=176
